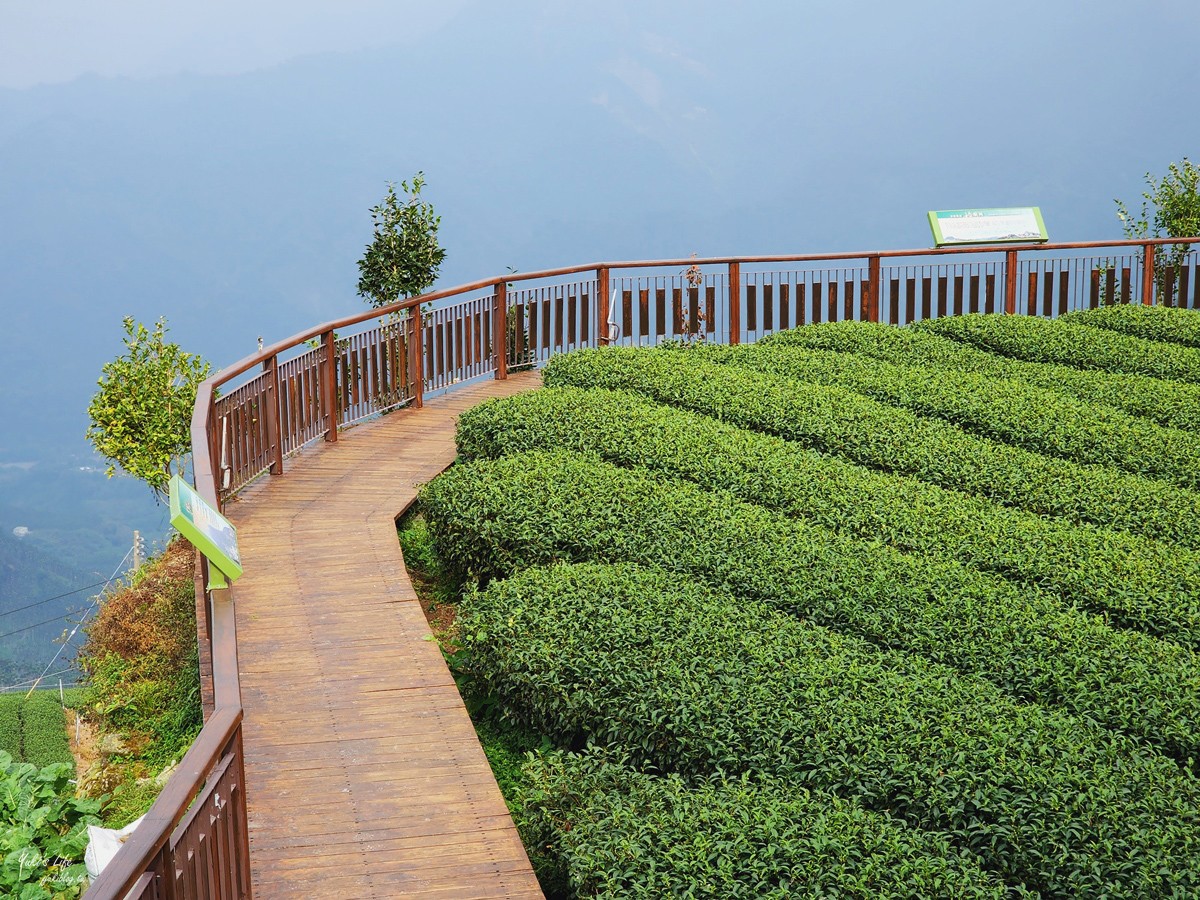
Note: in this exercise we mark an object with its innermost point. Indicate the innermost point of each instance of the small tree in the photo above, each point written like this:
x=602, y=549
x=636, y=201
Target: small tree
x=404, y=258
x=141, y=416
x=1171, y=208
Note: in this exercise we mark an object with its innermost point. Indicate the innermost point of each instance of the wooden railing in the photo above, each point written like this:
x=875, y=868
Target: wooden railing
x=193, y=842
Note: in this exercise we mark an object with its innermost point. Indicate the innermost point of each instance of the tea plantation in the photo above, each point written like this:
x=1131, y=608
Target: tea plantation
x=856, y=611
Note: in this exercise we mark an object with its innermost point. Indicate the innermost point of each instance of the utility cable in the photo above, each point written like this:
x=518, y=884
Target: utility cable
x=79, y=624
x=86, y=587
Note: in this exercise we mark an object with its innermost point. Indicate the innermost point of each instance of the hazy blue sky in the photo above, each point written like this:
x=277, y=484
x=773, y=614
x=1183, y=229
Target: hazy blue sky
x=215, y=163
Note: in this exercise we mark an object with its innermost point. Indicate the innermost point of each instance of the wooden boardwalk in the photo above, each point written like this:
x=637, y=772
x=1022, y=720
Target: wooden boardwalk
x=363, y=774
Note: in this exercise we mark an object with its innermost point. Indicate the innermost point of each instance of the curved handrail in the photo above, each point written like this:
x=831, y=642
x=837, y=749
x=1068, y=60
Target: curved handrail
x=146, y=852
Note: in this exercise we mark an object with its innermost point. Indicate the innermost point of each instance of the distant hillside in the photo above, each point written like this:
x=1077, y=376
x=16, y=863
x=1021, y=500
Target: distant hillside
x=29, y=575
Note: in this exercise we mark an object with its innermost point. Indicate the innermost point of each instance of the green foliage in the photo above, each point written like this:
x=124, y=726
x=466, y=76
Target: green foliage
x=620, y=833
x=1137, y=583
x=141, y=416
x=1068, y=343
x=140, y=660
x=404, y=257
x=10, y=724
x=491, y=518
x=840, y=422
x=43, y=832
x=696, y=682
x=420, y=558
x=1171, y=208
x=1006, y=410
x=1154, y=323
x=1170, y=403
x=43, y=731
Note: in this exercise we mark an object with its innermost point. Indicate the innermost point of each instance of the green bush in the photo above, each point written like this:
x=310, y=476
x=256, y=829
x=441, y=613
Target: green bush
x=44, y=731
x=1138, y=583
x=696, y=683
x=491, y=518
x=1013, y=412
x=1066, y=342
x=10, y=725
x=1153, y=323
x=620, y=833
x=841, y=422
x=1169, y=403
x=43, y=832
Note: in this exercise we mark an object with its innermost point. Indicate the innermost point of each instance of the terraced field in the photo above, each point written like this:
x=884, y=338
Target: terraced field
x=856, y=611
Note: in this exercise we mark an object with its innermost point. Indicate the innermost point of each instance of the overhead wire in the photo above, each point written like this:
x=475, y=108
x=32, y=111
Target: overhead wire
x=79, y=624
x=80, y=590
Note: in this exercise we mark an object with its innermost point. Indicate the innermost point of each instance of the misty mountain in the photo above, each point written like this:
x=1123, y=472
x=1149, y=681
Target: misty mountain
x=237, y=205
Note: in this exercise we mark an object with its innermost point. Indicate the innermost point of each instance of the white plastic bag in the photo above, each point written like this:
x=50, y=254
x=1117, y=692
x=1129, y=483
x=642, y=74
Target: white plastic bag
x=103, y=844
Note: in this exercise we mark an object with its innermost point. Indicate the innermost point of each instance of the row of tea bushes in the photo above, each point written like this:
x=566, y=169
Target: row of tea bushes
x=695, y=682
x=1013, y=412
x=841, y=422
x=1137, y=583
x=1153, y=323
x=34, y=730
x=495, y=517
x=1171, y=403
x=1069, y=343
x=620, y=833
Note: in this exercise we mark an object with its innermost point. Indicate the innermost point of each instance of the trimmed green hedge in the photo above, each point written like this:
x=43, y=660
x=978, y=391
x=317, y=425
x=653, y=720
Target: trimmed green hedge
x=10, y=725
x=1153, y=323
x=1015, y=413
x=1170, y=403
x=44, y=731
x=695, y=682
x=1138, y=583
x=620, y=833
x=842, y=422
x=491, y=518
x=1047, y=340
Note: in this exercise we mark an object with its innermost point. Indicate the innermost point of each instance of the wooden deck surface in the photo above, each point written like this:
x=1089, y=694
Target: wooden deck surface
x=363, y=774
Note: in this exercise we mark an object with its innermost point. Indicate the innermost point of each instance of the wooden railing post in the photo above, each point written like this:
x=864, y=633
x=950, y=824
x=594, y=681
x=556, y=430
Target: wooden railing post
x=1010, y=282
x=274, y=416
x=735, y=302
x=328, y=365
x=870, y=301
x=500, y=330
x=416, y=357
x=1148, y=274
x=602, y=310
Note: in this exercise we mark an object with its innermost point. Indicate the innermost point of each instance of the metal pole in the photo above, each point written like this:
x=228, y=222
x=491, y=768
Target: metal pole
x=328, y=365
x=1148, y=274
x=735, y=302
x=602, y=310
x=1010, y=282
x=500, y=330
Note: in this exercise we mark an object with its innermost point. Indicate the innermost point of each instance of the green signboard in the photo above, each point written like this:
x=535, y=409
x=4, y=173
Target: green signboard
x=209, y=531
x=1006, y=225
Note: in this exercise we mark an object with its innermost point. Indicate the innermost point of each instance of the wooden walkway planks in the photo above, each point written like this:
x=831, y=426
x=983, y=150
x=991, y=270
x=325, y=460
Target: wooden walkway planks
x=364, y=777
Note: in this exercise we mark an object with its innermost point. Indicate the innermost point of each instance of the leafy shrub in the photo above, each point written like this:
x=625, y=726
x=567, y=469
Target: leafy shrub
x=696, y=682
x=1069, y=343
x=140, y=660
x=1138, y=583
x=43, y=832
x=841, y=422
x=1019, y=414
x=1154, y=323
x=43, y=731
x=1171, y=403
x=494, y=517
x=10, y=724
x=620, y=833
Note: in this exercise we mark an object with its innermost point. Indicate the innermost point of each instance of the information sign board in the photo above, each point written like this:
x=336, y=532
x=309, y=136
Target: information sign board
x=209, y=531
x=1019, y=224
